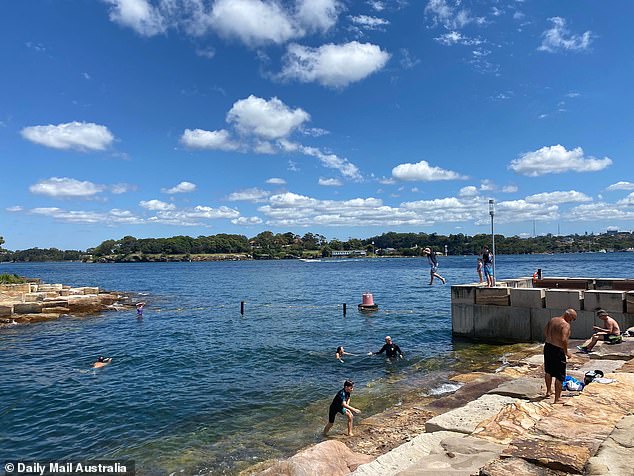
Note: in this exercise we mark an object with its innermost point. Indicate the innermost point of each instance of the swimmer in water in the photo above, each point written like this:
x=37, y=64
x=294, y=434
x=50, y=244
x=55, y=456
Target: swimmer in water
x=139, y=309
x=340, y=353
x=101, y=362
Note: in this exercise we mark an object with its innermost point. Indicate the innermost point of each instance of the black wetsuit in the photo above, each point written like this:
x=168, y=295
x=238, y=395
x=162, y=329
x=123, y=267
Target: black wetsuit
x=337, y=404
x=391, y=350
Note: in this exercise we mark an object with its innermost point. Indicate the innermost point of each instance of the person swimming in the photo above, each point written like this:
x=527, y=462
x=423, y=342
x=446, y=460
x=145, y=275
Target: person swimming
x=102, y=362
x=340, y=353
x=139, y=309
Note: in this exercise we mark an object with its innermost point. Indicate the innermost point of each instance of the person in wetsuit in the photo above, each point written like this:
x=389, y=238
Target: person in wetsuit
x=391, y=349
x=341, y=404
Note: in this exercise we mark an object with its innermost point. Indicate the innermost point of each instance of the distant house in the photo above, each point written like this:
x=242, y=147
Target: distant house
x=349, y=253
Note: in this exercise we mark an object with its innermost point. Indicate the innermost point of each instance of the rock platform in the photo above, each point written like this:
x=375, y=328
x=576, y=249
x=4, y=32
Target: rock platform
x=36, y=302
x=500, y=424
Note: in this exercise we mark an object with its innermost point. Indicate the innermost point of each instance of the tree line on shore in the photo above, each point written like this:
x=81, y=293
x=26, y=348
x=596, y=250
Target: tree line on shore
x=290, y=245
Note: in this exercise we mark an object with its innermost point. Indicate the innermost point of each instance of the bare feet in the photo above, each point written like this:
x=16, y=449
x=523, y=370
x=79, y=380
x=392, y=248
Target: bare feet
x=350, y=434
x=558, y=402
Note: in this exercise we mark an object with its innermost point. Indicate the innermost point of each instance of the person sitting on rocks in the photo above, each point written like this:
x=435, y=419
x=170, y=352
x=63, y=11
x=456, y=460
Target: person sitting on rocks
x=611, y=333
x=102, y=362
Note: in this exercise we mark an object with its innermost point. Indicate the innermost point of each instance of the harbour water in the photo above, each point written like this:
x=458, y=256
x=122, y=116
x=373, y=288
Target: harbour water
x=195, y=387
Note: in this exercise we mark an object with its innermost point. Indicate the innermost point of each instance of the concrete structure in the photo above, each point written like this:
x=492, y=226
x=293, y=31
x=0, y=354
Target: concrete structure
x=516, y=310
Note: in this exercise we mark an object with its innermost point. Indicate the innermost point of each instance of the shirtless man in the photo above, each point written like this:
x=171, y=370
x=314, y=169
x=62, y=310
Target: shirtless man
x=102, y=362
x=611, y=333
x=556, y=335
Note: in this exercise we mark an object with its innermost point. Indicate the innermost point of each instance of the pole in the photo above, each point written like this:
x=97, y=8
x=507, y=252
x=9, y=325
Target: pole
x=344, y=308
x=242, y=307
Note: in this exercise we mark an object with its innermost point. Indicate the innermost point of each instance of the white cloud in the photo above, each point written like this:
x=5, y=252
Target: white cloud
x=318, y=14
x=253, y=22
x=556, y=159
x=387, y=181
x=408, y=61
x=276, y=181
x=559, y=38
x=119, y=188
x=268, y=119
x=139, y=15
x=457, y=38
x=331, y=161
x=192, y=216
x=593, y=212
x=509, y=189
x=249, y=195
x=80, y=136
x=369, y=22
x=330, y=182
x=621, y=186
x=521, y=210
x=376, y=5
x=487, y=185
x=247, y=221
x=571, y=196
x=469, y=191
x=114, y=216
x=182, y=187
x=423, y=172
x=627, y=201
x=155, y=205
x=64, y=187
x=314, y=131
x=333, y=65
x=449, y=17
x=201, y=139
x=16, y=208
x=208, y=52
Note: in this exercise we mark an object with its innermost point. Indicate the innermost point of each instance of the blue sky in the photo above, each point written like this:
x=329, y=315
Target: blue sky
x=156, y=118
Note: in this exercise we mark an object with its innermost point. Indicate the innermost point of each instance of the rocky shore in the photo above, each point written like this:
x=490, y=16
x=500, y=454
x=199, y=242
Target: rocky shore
x=36, y=302
x=495, y=424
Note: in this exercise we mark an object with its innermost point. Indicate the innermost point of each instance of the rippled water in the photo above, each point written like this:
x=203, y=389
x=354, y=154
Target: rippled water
x=196, y=387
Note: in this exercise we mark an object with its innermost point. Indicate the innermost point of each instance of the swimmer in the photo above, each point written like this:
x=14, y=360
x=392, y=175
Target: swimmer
x=340, y=353
x=102, y=362
x=139, y=309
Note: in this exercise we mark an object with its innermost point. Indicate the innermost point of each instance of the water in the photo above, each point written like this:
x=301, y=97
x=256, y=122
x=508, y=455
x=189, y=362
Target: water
x=195, y=387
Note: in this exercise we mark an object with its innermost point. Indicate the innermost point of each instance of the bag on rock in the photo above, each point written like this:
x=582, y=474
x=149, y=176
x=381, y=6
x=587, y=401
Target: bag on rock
x=571, y=383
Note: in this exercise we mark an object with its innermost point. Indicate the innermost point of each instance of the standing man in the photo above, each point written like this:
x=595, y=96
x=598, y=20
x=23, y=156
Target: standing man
x=391, y=349
x=433, y=264
x=341, y=404
x=487, y=259
x=611, y=333
x=556, y=335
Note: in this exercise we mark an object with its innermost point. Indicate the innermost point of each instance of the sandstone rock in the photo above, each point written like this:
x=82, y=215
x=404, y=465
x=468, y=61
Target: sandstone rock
x=330, y=457
x=622, y=351
x=54, y=303
x=517, y=467
x=57, y=310
x=49, y=287
x=108, y=299
x=91, y=290
x=15, y=288
x=512, y=421
x=32, y=318
x=27, y=308
x=466, y=419
x=84, y=304
x=561, y=455
x=34, y=297
x=616, y=455
x=607, y=366
x=468, y=392
x=404, y=456
x=524, y=388
x=536, y=360
x=6, y=310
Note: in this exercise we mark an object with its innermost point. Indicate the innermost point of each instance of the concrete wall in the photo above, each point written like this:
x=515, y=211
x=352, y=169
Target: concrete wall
x=519, y=314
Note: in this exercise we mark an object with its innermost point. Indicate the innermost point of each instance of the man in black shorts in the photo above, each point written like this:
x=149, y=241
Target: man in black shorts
x=556, y=335
x=341, y=404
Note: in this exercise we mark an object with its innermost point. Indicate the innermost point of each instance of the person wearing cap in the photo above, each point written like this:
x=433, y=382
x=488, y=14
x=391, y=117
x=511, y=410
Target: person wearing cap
x=556, y=335
x=611, y=333
x=341, y=404
x=433, y=263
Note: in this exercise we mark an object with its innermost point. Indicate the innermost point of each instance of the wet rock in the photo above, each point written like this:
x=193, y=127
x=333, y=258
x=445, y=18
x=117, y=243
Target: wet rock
x=524, y=388
x=517, y=467
x=6, y=309
x=27, y=308
x=466, y=419
x=616, y=454
x=329, y=457
x=468, y=392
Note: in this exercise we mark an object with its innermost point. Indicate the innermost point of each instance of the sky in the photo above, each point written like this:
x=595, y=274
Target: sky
x=156, y=118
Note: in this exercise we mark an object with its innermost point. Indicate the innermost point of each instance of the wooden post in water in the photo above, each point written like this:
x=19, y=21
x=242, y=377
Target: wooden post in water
x=344, y=308
x=242, y=308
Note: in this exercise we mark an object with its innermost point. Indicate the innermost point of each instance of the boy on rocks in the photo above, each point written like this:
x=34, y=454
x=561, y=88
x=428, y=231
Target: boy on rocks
x=341, y=404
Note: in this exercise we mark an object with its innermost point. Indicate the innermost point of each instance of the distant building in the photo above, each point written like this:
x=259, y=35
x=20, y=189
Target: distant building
x=349, y=253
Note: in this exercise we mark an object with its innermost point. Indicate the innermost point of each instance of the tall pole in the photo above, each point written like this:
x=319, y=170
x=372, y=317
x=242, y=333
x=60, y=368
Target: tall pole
x=495, y=257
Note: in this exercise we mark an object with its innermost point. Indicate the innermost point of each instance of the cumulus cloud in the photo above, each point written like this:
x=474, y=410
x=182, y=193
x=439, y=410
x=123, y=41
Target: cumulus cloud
x=114, y=216
x=64, y=187
x=202, y=139
x=268, y=119
x=139, y=15
x=249, y=195
x=330, y=182
x=331, y=65
x=621, y=186
x=558, y=197
x=120, y=188
x=276, y=181
x=182, y=187
x=556, y=159
x=593, y=212
x=424, y=172
x=469, y=191
x=156, y=205
x=193, y=216
x=247, y=221
x=627, y=201
x=520, y=210
x=82, y=136
x=318, y=14
x=559, y=38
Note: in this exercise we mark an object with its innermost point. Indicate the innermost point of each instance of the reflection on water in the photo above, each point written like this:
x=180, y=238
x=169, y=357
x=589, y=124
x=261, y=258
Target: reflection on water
x=196, y=387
